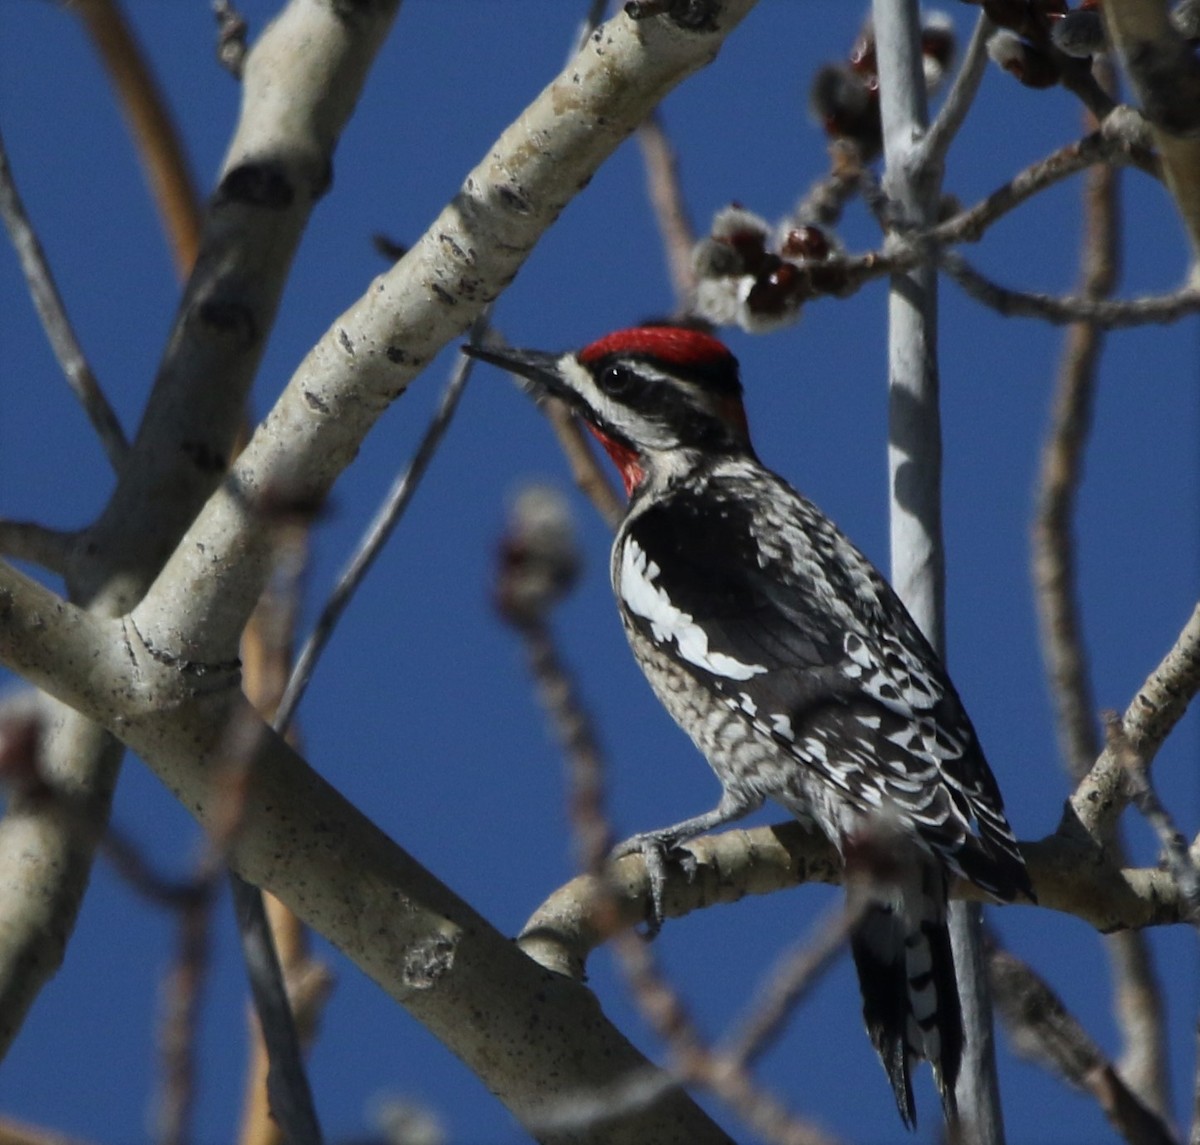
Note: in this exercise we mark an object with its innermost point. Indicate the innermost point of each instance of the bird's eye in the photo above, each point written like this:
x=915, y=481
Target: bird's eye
x=618, y=380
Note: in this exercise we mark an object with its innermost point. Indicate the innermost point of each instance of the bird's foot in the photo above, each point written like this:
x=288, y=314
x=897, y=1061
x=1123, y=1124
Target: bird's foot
x=657, y=849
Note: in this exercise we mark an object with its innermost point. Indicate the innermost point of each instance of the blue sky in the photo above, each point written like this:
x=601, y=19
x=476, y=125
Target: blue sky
x=420, y=711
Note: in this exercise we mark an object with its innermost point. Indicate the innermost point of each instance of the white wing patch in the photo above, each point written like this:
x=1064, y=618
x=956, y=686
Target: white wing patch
x=667, y=623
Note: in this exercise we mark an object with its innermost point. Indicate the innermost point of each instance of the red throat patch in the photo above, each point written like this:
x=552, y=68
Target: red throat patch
x=624, y=458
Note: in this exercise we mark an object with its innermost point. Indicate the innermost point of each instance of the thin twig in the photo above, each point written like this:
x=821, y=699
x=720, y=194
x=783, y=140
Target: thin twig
x=53, y=314
x=1059, y=310
x=1096, y=147
x=950, y=118
x=35, y=543
x=670, y=207
x=290, y=1094
x=1045, y=1032
x=266, y=658
x=1138, y=1000
x=826, y=198
x=1145, y=798
x=185, y=981
x=789, y=983
x=585, y=468
x=154, y=134
x=1158, y=706
x=386, y=518
x=1062, y=472
x=182, y=991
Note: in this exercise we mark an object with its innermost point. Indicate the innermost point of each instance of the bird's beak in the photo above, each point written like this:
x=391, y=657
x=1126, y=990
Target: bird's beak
x=537, y=367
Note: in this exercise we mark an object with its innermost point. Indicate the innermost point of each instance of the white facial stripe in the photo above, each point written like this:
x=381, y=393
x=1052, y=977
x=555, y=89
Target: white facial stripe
x=645, y=599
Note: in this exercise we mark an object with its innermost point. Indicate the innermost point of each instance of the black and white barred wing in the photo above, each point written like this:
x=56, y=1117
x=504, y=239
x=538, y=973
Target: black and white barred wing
x=853, y=693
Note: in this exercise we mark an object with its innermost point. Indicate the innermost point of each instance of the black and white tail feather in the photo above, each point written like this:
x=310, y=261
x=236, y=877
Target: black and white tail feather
x=797, y=672
x=901, y=949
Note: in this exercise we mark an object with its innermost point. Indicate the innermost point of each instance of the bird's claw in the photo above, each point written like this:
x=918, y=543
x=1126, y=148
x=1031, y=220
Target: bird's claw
x=656, y=851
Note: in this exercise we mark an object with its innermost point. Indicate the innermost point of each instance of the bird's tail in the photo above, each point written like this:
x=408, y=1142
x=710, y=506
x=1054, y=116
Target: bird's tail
x=901, y=949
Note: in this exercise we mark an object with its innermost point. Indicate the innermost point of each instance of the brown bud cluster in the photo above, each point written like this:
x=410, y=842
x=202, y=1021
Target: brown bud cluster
x=1037, y=40
x=844, y=95
x=747, y=276
x=538, y=562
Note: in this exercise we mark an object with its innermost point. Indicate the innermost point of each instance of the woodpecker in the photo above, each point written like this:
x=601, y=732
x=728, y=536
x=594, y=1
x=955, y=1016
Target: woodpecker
x=794, y=667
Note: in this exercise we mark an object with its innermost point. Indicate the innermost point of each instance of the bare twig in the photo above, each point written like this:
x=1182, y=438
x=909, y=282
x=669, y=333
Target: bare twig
x=1159, y=704
x=945, y=126
x=789, y=983
x=1070, y=308
x=1138, y=997
x=826, y=199
x=1097, y=147
x=1145, y=798
x=266, y=656
x=1044, y=1031
x=309, y=983
x=154, y=134
x=18, y=1133
x=53, y=314
x=670, y=207
x=386, y=518
x=291, y=1101
x=33, y=542
x=180, y=1016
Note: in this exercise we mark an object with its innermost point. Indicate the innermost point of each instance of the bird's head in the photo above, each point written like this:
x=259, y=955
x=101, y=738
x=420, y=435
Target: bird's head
x=650, y=394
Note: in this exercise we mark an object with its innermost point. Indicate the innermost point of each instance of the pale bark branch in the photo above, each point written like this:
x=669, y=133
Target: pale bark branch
x=380, y=529
x=1160, y=703
x=912, y=181
x=1068, y=875
x=1175, y=852
x=35, y=543
x=374, y=350
x=301, y=84
x=513, y=1023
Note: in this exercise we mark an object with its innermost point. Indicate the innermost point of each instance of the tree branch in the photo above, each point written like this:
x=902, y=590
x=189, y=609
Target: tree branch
x=29, y=541
x=513, y=1023
x=1069, y=875
x=374, y=350
x=1109, y=315
x=53, y=314
x=301, y=83
x=1159, y=705
x=154, y=134
x=912, y=181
